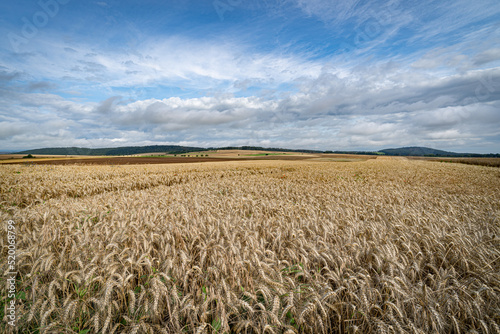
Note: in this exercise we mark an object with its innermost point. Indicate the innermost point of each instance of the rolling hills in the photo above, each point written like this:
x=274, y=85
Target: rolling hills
x=175, y=149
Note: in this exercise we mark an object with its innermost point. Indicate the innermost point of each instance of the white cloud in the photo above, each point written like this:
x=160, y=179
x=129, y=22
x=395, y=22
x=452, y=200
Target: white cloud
x=175, y=61
x=339, y=11
x=367, y=110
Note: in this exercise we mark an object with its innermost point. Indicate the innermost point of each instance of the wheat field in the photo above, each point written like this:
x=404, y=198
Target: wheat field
x=378, y=246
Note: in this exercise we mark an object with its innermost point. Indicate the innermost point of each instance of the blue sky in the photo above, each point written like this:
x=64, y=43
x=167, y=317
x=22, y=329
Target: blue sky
x=329, y=75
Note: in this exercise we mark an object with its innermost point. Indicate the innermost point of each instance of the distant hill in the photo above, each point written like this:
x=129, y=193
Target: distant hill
x=128, y=150
x=430, y=152
x=175, y=149
x=417, y=151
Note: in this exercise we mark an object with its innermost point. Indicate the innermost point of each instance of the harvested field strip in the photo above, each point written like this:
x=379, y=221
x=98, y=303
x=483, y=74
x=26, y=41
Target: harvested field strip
x=120, y=161
x=257, y=246
x=490, y=162
x=176, y=160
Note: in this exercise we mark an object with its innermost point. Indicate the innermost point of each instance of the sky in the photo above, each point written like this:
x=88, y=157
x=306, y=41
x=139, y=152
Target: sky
x=298, y=74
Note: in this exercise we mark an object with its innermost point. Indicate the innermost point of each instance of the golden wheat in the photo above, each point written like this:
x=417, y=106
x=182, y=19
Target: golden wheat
x=256, y=247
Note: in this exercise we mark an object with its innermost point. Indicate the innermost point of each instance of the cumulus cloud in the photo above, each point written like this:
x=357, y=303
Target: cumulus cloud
x=329, y=112
x=41, y=86
x=10, y=129
x=8, y=75
x=107, y=106
x=487, y=56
